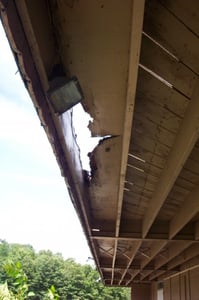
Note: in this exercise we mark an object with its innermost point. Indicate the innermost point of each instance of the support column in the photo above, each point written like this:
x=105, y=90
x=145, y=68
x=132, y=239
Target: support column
x=141, y=291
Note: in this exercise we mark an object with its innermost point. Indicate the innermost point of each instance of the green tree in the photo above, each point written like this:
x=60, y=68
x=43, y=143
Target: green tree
x=4, y=253
x=5, y=293
x=52, y=277
x=19, y=285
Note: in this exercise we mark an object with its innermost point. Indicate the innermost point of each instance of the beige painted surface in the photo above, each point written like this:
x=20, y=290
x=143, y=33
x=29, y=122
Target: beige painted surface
x=160, y=294
x=147, y=230
x=184, y=286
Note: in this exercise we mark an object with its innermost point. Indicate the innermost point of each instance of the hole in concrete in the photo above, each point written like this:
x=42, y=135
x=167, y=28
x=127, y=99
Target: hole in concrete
x=84, y=139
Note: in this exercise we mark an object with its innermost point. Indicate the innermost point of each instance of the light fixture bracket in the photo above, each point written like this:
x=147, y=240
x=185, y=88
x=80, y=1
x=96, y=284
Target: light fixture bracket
x=64, y=93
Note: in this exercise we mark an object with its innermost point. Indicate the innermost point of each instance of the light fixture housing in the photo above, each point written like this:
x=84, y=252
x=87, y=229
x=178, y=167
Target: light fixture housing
x=64, y=93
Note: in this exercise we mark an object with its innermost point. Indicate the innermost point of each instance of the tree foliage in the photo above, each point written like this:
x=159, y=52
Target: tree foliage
x=49, y=276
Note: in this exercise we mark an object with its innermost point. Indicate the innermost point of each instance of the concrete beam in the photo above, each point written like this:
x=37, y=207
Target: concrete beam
x=135, y=45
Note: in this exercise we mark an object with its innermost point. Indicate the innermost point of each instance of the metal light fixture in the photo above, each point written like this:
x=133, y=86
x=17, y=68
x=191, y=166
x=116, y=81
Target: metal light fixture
x=64, y=93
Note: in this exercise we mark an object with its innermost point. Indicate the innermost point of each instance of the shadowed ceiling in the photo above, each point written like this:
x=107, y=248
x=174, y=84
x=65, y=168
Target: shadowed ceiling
x=137, y=62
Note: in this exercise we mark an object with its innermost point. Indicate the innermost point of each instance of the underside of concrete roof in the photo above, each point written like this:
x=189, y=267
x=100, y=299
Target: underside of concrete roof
x=137, y=63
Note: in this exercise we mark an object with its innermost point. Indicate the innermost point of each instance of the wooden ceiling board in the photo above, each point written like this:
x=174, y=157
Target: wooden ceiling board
x=153, y=89
x=157, y=59
x=154, y=131
x=182, y=187
x=146, y=154
x=169, y=31
x=185, y=11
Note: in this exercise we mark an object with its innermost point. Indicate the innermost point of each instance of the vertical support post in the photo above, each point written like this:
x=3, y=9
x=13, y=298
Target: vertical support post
x=154, y=291
x=141, y=291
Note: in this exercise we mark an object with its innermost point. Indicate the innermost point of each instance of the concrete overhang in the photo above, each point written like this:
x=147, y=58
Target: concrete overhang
x=138, y=64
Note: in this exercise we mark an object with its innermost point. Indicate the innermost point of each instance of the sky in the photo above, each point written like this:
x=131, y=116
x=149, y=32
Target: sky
x=35, y=207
